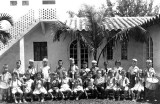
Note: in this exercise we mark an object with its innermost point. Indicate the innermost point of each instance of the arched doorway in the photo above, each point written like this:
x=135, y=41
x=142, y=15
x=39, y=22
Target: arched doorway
x=79, y=51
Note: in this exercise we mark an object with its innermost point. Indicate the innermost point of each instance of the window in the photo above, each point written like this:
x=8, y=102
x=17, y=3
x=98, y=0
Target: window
x=84, y=53
x=149, y=49
x=13, y=3
x=40, y=50
x=48, y=2
x=25, y=3
x=79, y=52
x=124, y=52
x=110, y=50
x=73, y=51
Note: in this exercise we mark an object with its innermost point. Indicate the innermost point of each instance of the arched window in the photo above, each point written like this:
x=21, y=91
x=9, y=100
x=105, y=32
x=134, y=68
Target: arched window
x=124, y=50
x=73, y=51
x=84, y=53
x=110, y=50
x=79, y=51
x=149, y=49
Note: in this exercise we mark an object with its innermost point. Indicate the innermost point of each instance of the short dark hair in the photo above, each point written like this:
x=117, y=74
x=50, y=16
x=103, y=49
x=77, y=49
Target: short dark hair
x=117, y=61
x=14, y=73
x=19, y=61
x=84, y=62
x=60, y=61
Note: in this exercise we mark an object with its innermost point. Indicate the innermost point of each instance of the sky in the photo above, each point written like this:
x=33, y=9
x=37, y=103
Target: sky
x=74, y=5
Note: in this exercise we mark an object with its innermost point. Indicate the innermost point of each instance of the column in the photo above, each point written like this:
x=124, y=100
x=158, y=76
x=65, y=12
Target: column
x=22, y=57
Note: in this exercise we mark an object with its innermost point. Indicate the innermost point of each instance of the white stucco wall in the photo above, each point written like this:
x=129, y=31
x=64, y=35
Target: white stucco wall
x=60, y=50
x=154, y=31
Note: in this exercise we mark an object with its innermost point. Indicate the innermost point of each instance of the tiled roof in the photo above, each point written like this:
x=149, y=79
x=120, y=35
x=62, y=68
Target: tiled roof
x=111, y=23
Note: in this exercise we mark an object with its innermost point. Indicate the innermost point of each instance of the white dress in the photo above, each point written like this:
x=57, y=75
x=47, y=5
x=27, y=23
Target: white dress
x=28, y=86
x=39, y=88
x=65, y=84
x=15, y=84
x=45, y=72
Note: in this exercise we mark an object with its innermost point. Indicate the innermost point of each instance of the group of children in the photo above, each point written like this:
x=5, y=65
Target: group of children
x=87, y=82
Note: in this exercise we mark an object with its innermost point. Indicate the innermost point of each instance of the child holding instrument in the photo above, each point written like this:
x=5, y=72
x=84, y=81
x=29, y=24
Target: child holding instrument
x=138, y=88
x=73, y=68
x=28, y=87
x=31, y=69
x=99, y=83
x=110, y=83
x=39, y=87
x=89, y=85
x=77, y=86
x=124, y=83
x=16, y=87
x=54, y=85
x=6, y=78
x=65, y=85
x=83, y=72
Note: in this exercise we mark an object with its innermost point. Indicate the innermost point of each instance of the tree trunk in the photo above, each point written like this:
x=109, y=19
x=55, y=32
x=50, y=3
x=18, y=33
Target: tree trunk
x=95, y=54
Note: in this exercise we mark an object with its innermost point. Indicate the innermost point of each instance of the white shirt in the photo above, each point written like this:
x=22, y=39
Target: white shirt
x=5, y=77
x=29, y=83
x=15, y=84
x=45, y=72
x=73, y=69
x=32, y=71
x=19, y=71
x=124, y=82
x=133, y=70
x=151, y=72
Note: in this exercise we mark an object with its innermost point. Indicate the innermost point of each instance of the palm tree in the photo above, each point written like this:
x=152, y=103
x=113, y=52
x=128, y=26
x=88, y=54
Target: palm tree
x=96, y=35
x=5, y=22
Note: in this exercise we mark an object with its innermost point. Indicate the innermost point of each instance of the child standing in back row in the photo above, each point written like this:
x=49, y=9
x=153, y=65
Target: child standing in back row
x=45, y=73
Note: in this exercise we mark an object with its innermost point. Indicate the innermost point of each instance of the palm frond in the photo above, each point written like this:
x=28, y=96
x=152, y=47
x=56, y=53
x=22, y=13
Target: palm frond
x=5, y=16
x=4, y=37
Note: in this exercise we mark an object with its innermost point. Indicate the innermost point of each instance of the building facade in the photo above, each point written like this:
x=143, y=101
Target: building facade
x=32, y=38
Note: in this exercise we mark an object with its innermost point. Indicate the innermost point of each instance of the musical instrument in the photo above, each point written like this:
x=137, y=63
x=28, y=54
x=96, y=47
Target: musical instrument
x=4, y=85
x=152, y=83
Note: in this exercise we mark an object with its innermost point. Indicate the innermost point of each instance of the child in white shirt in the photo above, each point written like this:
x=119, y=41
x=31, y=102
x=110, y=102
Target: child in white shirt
x=28, y=87
x=16, y=87
x=39, y=87
x=6, y=78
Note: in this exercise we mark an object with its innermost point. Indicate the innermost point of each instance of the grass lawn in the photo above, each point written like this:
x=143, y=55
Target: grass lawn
x=91, y=101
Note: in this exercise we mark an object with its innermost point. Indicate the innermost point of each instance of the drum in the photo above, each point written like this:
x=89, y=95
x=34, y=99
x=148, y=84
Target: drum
x=152, y=83
x=4, y=85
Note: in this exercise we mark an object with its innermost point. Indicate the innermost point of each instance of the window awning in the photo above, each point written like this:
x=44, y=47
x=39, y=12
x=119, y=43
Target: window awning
x=111, y=23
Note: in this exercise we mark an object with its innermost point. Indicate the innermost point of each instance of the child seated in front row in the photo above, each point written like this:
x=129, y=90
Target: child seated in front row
x=65, y=86
x=54, y=85
x=124, y=83
x=16, y=87
x=89, y=85
x=39, y=87
x=28, y=87
x=100, y=83
x=77, y=86
x=110, y=83
x=138, y=87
